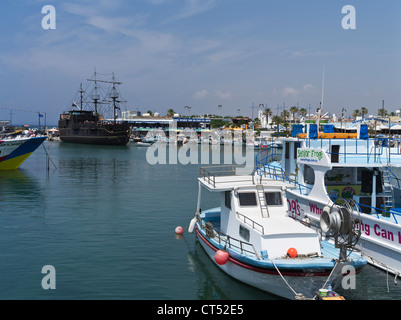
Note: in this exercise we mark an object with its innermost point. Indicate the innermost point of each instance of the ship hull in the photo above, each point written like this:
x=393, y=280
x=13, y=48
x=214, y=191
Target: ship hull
x=112, y=140
x=13, y=156
x=77, y=131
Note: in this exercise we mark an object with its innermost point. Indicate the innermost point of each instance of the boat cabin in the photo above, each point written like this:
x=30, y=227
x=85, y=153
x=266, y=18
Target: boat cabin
x=355, y=167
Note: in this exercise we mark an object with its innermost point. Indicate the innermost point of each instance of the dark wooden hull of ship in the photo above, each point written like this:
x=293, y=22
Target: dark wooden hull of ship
x=97, y=136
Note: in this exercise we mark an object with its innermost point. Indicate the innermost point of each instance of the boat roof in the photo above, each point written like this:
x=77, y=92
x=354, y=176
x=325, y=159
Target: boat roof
x=226, y=183
x=355, y=152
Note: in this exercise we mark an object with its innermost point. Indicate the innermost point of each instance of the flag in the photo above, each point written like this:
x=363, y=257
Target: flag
x=40, y=115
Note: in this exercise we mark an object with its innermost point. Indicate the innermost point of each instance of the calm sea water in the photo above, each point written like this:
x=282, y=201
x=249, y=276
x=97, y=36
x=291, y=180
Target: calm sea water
x=105, y=220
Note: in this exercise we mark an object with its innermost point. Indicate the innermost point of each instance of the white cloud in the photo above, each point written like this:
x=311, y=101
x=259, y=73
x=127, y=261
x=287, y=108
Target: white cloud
x=201, y=94
x=223, y=95
x=307, y=89
x=288, y=91
x=191, y=8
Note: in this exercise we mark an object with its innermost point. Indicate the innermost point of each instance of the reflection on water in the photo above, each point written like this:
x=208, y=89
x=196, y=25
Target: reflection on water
x=214, y=284
x=20, y=192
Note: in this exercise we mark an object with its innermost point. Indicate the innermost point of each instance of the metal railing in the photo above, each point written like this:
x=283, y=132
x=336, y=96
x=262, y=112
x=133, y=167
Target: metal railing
x=251, y=223
x=209, y=174
x=394, y=177
x=267, y=155
x=375, y=150
x=277, y=173
x=379, y=212
x=228, y=241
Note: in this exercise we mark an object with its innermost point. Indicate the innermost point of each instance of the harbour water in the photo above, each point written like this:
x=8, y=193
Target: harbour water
x=105, y=220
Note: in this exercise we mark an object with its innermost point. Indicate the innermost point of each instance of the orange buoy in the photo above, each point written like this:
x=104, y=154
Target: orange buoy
x=221, y=257
x=179, y=230
x=292, y=252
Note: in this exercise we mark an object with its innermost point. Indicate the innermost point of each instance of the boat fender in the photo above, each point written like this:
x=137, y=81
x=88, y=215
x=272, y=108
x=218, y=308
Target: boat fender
x=221, y=257
x=192, y=225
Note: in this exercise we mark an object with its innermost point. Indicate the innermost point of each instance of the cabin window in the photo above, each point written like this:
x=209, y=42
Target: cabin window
x=296, y=146
x=309, y=175
x=287, y=150
x=273, y=198
x=227, y=199
x=335, y=153
x=247, y=199
x=244, y=233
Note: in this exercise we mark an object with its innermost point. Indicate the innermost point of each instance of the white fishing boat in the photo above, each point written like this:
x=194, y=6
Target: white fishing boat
x=328, y=166
x=251, y=237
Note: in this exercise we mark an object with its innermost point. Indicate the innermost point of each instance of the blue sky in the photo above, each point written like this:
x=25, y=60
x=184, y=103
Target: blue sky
x=201, y=53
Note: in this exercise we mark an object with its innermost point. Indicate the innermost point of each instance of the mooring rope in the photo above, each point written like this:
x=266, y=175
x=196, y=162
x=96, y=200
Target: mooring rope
x=300, y=296
x=296, y=294
x=48, y=156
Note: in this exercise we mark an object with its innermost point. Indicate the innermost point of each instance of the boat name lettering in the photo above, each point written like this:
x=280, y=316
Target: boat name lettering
x=315, y=209
x=294, y=207
x=309, y=154
x=379, y=231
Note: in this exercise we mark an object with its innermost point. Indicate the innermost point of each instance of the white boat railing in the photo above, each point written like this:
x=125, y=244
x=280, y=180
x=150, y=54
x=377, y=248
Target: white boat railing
x=256, y=226
x=210, y=174
x=228, y=241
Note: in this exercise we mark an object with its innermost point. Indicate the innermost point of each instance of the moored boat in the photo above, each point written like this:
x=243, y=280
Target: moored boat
x=88, y=126
x=251, y=238
x=356, y=167
x=15, y=150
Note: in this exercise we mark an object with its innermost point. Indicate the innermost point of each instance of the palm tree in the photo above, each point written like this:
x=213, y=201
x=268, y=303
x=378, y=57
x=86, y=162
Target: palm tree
x=170, y=113
x=382, y=112
x=268, y=114
x=364, y=112
x=356, y=113
x=285, y=114
x=276, y=120
x=293, y=111
x=303, y=112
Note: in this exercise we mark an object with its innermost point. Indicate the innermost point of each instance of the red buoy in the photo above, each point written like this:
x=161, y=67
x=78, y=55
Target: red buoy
x=292, y=252
x=221, y=257
x=179, y=230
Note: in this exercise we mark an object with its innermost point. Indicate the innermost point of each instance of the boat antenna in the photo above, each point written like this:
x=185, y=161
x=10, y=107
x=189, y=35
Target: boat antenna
x=321, y=106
